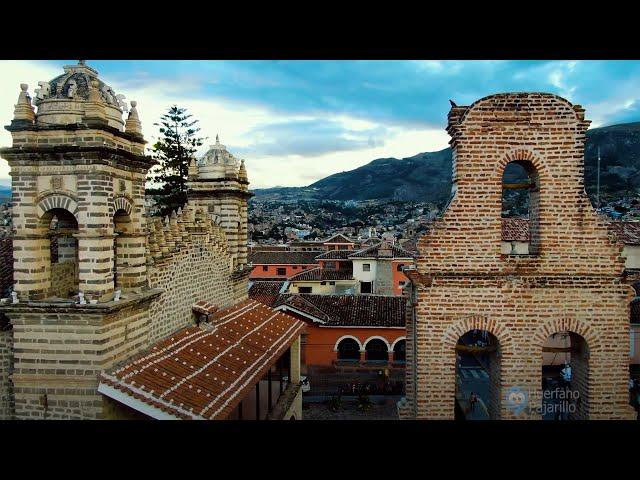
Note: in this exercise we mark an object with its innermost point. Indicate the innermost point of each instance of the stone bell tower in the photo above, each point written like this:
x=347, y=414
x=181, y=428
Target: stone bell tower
x=78, y=172
x=218, y=181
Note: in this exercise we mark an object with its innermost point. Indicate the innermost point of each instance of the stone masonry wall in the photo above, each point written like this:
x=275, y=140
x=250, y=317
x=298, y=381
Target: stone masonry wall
x=189, y=259
x=6, y=368
x=573, y=283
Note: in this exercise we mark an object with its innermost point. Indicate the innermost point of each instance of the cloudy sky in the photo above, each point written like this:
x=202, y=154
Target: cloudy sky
x=295, y=122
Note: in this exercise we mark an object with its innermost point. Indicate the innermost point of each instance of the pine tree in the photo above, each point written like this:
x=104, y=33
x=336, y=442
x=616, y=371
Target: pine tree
x=173, y=152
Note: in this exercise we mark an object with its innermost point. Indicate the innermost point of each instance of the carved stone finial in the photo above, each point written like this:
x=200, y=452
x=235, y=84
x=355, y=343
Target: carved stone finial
x=24, y=111
x=217, y=139
x=133, y=124
x=94, y=109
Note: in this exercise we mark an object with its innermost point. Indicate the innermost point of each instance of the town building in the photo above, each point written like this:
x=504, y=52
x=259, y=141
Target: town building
x=280, y=264
x=101, y=290
x=571, y=281
x=379, y=269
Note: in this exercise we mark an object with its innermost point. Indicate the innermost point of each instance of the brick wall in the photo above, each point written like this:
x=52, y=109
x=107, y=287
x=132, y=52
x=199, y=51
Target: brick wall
x=6, y=266
x=573, y=282
x=6, y=368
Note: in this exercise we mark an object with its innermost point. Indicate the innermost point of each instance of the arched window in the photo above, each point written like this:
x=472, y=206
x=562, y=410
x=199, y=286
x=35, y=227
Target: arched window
x=399, y=351
x=376, y=351
x=121, y=227
x=520, y=207
x=348, y=349
x=62, y=227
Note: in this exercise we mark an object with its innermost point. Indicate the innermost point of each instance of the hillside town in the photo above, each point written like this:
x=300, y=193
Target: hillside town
x=243, y=306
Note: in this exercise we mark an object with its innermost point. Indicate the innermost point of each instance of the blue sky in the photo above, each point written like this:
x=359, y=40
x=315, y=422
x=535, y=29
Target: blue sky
x=297, y=121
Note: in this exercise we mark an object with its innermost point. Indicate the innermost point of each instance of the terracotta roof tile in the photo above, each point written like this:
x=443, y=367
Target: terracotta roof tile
x=350, y=310
x=283, y=258
x=321, y=275
x=627, y=232
x=338, y=238
x=515, y=230
x=265, y=291
x=382, y=250
x=335, y=254
x=204, y=372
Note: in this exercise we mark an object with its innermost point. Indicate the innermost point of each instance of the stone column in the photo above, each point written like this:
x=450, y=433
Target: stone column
x=31, y=266
x=95, y=272
x=130, y=262
x=295, y=360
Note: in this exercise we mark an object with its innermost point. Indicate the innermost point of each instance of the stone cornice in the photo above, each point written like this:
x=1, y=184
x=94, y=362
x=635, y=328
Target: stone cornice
x=66, y=153
x=75, y=127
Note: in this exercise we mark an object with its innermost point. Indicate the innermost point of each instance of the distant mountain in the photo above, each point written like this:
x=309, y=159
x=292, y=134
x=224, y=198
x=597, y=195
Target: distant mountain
x=5, y=192
x=427, y=176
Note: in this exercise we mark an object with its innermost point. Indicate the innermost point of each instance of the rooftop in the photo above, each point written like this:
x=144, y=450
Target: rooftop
x=382, y=250
x=283, y=258
x=627, y=232
x=202, y=373
x=321, y=275
x=265, y=291
x=348, y=310
x=515, y=230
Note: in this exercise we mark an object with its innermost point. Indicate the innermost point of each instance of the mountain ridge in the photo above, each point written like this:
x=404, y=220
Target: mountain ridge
x=426, y=176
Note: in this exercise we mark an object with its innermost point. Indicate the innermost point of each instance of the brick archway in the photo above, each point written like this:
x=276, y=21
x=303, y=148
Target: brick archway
x=59, y=201
x=590, y=334
x=585, y=340
x=122, y=204
x=476, y=322
x=494, y=369
x=521, y=155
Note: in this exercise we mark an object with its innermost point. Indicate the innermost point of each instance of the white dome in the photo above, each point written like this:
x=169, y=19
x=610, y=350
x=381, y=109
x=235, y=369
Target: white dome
x=218, y=162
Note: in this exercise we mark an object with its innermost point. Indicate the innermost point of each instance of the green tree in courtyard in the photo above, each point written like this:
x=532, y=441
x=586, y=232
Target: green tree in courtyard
x=173, y=151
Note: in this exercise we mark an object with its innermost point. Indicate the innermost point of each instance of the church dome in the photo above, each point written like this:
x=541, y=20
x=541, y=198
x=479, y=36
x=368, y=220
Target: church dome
x=218, y=162
x=63, y=100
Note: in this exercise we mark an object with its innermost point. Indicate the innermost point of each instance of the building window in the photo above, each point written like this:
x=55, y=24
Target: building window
x=366, y=267
x=265, y=268
x=332, y=283
x=323, y=283
x=401, y=283
x=365, y=287
x=330, y=265
x=295, y=267
x=376, y=351
x=399, y=351
x=348, y=349
x=399, y=268
x=281, y=271
x=521, y=200
x=305, y=289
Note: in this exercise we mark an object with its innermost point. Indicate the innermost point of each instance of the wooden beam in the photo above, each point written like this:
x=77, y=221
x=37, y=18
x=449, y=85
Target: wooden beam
x=517, y=186
x=475, y=349
x=559, y=349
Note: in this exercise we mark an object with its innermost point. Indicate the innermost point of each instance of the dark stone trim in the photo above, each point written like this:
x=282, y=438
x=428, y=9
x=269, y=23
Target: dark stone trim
x=218, y=193
x=19, y=126
x=61, y=153
x=66, y=307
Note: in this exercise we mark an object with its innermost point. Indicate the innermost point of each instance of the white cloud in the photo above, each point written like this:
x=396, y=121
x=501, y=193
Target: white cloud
x=234, y=122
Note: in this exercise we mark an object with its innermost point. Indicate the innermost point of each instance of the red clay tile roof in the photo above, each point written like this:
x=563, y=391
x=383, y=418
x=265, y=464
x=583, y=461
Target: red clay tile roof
x=335, y=254
x=338, y=238
x=321, y=275
x=350, y=310
x=204, y=372
x=265, y=291
x=627, y=232
x=377, y=251
x=283, y=258
x=410, y=246
x=515, y=230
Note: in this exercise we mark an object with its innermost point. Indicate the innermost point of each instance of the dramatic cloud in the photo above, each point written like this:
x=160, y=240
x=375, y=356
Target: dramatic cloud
x=297, y=121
